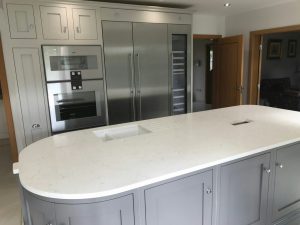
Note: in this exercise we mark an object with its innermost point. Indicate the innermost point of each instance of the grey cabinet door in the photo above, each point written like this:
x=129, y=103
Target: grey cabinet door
x=185, y=201
x=39, y=212
x=118, y=51
x=287, y=181
x=151, y=67
x=114, y=212
x=243, y=192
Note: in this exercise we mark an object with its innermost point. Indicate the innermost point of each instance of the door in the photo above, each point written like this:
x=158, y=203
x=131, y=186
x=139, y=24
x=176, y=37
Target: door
x=287, y=181
x=114, y=212
x=85, y=24
x=185, y=201
x=228, y=72
x=21, y=21
x=151, y=69
x=39, y=212
x=54, y=23
x=244, y=192
x=119, y=67
x=31, y=92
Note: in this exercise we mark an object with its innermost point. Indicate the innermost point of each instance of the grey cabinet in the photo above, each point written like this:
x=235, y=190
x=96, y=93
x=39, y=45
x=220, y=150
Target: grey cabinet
x=244, y=192
x=287, y=181
x=113, y=212
x=38, y=212
x=185, y=201
x=137, y=75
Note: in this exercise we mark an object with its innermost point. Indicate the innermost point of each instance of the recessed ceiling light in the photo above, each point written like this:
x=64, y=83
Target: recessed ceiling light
x=227, y=4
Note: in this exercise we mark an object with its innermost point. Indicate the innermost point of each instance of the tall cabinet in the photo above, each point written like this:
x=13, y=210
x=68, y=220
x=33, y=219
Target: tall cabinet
x=139, y=82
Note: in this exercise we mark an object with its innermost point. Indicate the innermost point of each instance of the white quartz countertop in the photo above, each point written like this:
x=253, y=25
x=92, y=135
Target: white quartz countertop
x=81, y=165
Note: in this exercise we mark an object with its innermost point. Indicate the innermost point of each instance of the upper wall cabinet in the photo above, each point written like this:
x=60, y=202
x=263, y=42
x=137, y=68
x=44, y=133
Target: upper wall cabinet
x=21, y=21
x=85, y=24
x=54, y=23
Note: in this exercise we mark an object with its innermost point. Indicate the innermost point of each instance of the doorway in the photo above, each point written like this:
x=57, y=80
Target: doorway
x=271, y=47
x=202, y=72
x=218, y=71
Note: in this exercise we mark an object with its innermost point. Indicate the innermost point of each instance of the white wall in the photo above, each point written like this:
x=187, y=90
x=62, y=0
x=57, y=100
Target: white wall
x=277, y=16
x=208, y=24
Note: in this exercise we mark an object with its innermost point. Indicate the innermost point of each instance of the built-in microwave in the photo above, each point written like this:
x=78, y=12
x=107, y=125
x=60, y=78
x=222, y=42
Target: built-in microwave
x=75, y=87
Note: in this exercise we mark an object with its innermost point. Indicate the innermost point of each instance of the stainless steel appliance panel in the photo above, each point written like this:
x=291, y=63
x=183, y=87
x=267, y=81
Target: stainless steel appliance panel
x=151, y=66
x=70, y=110
x=119, y=65
x=61, y=60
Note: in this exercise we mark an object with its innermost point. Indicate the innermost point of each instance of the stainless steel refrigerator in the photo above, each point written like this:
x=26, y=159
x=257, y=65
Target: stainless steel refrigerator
x=138, y=70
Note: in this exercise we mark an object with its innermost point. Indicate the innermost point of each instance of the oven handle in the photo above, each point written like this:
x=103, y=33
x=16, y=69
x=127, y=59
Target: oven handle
x=132, y=94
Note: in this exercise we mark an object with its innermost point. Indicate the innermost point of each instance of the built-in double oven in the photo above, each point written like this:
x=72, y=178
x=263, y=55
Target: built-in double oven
x=75, y=86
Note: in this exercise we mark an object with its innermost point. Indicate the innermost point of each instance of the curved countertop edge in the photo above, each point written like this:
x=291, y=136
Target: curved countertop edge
x=134, y=186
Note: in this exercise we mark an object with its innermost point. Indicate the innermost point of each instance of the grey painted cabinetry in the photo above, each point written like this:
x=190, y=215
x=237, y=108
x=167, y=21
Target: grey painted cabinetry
x=287, y=182
x=249, y=191
x=185, y=201
x=114, y=212
x=244, y=192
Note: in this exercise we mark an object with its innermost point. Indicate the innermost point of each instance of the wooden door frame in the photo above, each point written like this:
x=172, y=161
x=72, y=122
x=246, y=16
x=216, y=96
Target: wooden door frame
x=7, y=108
x=255, y=59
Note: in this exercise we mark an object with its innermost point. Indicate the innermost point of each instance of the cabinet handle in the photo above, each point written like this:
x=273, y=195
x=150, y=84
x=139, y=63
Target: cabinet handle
x=268, y=170
x=36, y=125
x=65, y=29
x=78, y=30
x=208, y=191
x=31, y=26
x=280, y=165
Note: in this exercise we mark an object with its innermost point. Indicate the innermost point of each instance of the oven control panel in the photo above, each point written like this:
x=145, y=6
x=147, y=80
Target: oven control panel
x=76, y=80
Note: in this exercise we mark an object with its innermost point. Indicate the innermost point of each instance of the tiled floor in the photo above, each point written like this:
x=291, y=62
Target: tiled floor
x=10, y=212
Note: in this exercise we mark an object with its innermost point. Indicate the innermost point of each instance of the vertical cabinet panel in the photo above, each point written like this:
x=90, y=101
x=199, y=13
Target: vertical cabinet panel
x=21, y=21
x=54, y=23
x=185, y=201
x=114, y=212
x=118, y=50
x=287, y=181
x=29, y=77
x=39, y=212
x=151, y=66
x=243, y=192
x=85, y=24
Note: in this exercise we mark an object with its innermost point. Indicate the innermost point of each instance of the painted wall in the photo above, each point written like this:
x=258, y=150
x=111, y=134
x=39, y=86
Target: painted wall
x=208, y=24
x=285, y=66
x=277, y=16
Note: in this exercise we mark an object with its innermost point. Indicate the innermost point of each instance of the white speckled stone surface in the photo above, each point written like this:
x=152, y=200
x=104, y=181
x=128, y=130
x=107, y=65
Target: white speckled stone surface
x=79, y=165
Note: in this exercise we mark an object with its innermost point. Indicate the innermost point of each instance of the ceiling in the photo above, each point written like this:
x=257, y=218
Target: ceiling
x=208, y=6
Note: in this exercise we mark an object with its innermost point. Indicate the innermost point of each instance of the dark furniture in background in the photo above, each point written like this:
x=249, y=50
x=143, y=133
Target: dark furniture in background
x=279, y=93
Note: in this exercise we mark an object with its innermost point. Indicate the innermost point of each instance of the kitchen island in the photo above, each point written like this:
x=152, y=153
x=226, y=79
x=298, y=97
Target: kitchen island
x=231, y=166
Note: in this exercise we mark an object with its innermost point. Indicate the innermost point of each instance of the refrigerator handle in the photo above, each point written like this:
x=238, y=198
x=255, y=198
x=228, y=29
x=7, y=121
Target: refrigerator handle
x=132, y=94
x=139, y=86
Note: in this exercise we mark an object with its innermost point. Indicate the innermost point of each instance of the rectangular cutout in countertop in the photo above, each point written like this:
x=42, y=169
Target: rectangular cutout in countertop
x=241, y=122
x=121, y=132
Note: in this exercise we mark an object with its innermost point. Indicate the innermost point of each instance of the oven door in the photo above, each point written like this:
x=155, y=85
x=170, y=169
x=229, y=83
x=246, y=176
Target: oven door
x=61, y=60
x=71, y=110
